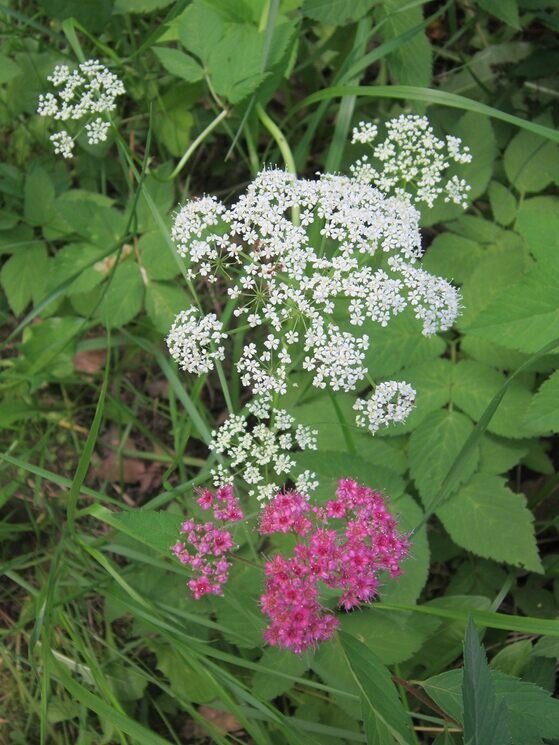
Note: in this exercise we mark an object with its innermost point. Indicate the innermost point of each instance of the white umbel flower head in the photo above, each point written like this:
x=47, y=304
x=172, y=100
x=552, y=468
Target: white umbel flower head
x=87, y=93
x=195, y=341
x=391, y=402
x=62, y=144
x=412, y=155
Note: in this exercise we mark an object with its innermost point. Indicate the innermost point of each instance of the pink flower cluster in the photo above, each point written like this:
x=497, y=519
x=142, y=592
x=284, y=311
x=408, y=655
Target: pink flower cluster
x=347, y=557
x=209, y=543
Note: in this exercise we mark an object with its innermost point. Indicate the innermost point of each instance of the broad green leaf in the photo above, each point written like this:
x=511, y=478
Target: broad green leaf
x=124, y=296
x=488, y=519
x=179, y=64
x=89, y=215
x=163, y=302
x=433, y=447
x=48, y=346
x=162, y=195
x=156, y=258
x=190, y=683
x=538, y=223
x=453, y=257
x=39, y=197
x=139, y=6
x=478, y=229
x=533, y=713
x=542, y=416
x=526, y=316
x=71, y=259
x=385, y=719
x=394, y=636
x=498, y=455
x=547, y=646
x=333, y=466
x=477, y=133
x=200, y=29
x=266, y=686
x=474, y=385
x=238, y=610
x=486, y=720
x=504, y=10
x=400, y=344
x=92, y=14
x=412, y=63
x=530, y=163
x=492, y=278
x=503, y=203
x=415, y=569
x=235, y=76
x=172, y=123
x=23, y=276
x=513, y=658
x=157, y=530
x=336, y=12
x=8, y=69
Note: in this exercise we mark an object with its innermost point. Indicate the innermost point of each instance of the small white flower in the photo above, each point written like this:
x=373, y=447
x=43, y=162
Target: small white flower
x=365, y=132
x=97, y=131
x=62, y=143
x=195, y=341
x=392, y=401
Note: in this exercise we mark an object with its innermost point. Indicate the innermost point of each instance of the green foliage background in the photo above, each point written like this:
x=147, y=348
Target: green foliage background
x=101, y=643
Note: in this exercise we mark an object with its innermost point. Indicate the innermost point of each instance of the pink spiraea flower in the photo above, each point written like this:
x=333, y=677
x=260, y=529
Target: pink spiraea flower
x=348, y=557
x=205, y=546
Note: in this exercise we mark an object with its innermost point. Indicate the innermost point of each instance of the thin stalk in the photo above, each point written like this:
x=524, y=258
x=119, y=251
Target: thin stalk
x=196, y=143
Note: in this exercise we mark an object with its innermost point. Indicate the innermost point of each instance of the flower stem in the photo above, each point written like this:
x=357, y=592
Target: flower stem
x=198, y=141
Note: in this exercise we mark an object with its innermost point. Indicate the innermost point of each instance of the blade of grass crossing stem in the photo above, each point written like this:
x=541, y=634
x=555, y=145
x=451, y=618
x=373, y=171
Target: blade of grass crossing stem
x=488, y=619
x=85, y=458
x=104, y=711
x=425, y=95
x=452, y=478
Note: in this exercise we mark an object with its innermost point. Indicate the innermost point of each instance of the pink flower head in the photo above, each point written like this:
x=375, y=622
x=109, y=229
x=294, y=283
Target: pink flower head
x=205, y=545
x=348, y=560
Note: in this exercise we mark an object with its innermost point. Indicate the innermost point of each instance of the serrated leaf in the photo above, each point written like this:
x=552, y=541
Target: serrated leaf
x=266, y=686
x=434, y=445
x=538, y=223
x=385, y=719
x=486, y=721
x=477, y=133
x=179, y=64
x=542, y=416
x=488, y=519
x=474, y=385
x=156, y=258
x=453, y=257
x=503, y=203
x=163, y=302
x=38, y=201
x=504, y=10
x=531, y=163
x=23, y=276
x=498, y=455
x=411, y=63
x=526, y=317
x=336, y=12
x=124, y=296
x=157, y=530
x=534, y=714
x=235, y=76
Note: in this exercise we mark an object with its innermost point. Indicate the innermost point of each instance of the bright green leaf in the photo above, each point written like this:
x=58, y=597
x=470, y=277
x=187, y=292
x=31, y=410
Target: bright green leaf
x=542, y=416
x=179, y=64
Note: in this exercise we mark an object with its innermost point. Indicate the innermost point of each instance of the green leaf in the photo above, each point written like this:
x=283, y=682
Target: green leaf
x=488, y=519
x=526, y=317
x=394, y=636
x=8, y=69
x=92, y=14
x=474, y=385
x=74, y=258
x=504, y=10
x=156, y=530
x=200, y=29
x=124, y=296
x=530, y=163
x=533, y=713
x=38, y=201
x=538, y=223
x=47, y=345
x=156, y=258
x=235, y=75
x=542, y=416
x=157, y=193
x=336, y=12
x=190, y=683
x=477, y=133
x=140, y=6
x=23, y=276
x=513, y=658
x=386, y=720
x=498, y=455
x=163, y=302
x=503, y=203
x=411, y=63
x=486, y=721
x=453, y=257
x=401, y=344
x=433, y=447
x=179, y=64
x=267, y=687
x=89, y=215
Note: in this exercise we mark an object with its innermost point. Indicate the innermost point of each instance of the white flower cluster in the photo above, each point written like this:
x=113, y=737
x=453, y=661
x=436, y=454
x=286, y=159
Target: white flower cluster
x=391, y=401
x=195, y=341
x=353, y=255
x=262, y=454
x=86, y=92
x=412, y=155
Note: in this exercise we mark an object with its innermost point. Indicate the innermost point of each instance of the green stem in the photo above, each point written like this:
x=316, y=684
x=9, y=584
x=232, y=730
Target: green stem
x=279, y=138
x=195, y=144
